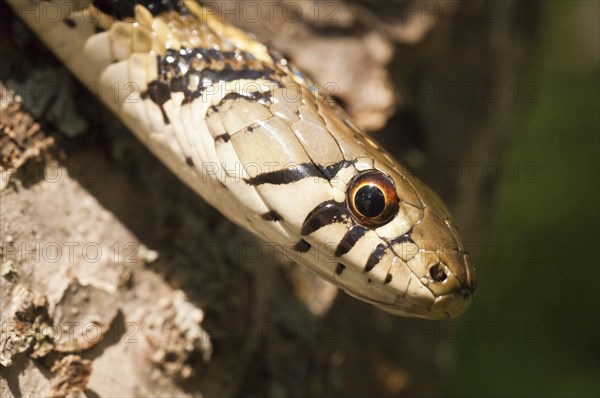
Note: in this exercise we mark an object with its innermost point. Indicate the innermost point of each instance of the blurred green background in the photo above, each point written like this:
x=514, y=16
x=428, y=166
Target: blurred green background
x=535, y=319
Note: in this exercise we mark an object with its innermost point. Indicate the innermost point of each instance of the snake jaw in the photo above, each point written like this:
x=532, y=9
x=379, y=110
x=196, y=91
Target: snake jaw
x=445, y=306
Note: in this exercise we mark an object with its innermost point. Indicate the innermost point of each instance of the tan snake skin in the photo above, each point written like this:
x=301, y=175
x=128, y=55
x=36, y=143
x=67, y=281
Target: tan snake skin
x=251, y=135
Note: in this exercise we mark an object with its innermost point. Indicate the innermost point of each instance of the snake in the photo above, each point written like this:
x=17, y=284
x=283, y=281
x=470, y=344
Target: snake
x=254, y=137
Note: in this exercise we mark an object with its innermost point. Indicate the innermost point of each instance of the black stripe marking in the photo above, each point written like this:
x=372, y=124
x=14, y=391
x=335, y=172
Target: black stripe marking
x=285, y=176
x=230, y=97
x=331, y=171
x=223, y=137
x=177, y=84
x=339, y=269
x=349, y=240
x=69, y=22
x=402, y=239
x=388, y=279
x=266, y=97
x=326, y=213
x=271, y=216
x=302, y=246
x=375, y=256
x=159, y=93
x=189, y=161
x=208, y=67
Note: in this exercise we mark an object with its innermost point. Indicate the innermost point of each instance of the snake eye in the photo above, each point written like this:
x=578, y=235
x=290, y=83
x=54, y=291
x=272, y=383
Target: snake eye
x=372, y=198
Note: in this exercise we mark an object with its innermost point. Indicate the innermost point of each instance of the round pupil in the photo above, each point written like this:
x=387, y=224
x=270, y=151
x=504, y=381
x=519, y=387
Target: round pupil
x=369, y=201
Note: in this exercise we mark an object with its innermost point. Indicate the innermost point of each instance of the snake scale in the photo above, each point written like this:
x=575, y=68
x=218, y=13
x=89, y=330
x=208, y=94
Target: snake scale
x=240, y=125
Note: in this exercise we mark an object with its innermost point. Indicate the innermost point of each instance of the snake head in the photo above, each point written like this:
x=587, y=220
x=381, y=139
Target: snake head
x=393, y=243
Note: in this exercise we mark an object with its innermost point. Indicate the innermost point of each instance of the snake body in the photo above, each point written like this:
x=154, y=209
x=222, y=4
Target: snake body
x=251, y=135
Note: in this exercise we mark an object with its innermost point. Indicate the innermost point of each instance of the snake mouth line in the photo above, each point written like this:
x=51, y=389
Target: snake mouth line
x=458, y=302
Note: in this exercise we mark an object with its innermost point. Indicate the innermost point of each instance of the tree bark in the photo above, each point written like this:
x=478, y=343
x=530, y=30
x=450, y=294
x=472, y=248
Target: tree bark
x=117, y=280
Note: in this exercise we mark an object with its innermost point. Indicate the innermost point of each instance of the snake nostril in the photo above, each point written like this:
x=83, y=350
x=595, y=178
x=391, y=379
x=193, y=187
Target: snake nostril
x=466, y=293
x=437, y=272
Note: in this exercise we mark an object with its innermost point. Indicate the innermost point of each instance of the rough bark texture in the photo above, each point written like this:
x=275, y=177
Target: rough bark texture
x=117, y=280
